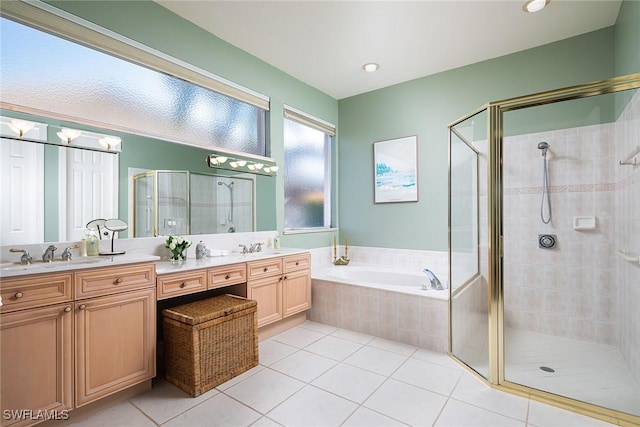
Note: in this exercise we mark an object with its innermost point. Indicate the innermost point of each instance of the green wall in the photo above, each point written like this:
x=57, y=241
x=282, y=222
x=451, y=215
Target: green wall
x=154, y=26
x=424, y=107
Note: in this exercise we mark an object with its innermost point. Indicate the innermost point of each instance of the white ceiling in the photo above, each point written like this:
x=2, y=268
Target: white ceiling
x=325, y=43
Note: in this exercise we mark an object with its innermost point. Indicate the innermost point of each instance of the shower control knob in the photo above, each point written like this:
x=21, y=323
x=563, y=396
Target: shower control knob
x=546, y=241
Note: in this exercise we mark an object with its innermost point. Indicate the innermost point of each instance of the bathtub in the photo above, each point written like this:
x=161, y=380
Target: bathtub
x=407, y=282
x=382, y=302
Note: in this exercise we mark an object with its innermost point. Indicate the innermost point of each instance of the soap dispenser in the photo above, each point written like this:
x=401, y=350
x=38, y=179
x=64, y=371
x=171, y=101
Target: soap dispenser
x=201, y=250
x=92, y=242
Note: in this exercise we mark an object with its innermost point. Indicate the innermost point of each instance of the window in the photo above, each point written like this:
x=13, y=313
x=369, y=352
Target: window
x=45, y=73
x=307, y=171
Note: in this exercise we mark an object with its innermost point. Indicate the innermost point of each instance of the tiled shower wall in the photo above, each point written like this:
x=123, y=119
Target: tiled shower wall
x=580, y=289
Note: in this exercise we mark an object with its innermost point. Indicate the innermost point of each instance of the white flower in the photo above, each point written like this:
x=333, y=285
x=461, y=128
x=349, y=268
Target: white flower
x=172, y=245
x=180, y=240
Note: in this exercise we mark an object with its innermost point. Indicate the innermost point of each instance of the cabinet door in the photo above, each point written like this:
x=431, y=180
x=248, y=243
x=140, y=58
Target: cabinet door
x=296, y=289
x=115, y=343
x=37, y=361
x=268, y=293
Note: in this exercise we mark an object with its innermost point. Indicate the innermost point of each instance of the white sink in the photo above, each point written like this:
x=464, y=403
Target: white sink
x=54, y=265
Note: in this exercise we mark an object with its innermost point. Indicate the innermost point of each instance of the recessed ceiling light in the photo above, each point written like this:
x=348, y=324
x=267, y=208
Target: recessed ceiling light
x=534, y=5
x=370, y=67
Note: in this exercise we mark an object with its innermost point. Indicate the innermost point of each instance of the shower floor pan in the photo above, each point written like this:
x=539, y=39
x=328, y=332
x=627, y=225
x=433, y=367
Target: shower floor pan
x=586, y=371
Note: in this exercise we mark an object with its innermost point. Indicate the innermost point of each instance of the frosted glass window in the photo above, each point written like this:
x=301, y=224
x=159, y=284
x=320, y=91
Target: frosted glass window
x=44, y=72
x=306, y=177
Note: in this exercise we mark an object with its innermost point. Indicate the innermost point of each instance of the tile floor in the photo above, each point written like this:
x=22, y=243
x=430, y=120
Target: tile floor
x=319, y=375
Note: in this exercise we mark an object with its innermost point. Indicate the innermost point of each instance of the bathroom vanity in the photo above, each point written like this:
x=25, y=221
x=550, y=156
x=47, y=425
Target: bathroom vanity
x=79, y=333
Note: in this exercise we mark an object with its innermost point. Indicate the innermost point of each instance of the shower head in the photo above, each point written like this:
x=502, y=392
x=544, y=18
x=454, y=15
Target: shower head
x=544, y=146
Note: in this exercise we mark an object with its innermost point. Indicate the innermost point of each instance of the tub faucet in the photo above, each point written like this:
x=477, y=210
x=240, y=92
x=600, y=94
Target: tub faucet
x=47, y=256
x=435, y=283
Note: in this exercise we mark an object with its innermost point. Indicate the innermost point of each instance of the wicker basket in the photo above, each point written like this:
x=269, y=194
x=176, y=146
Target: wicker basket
x=209, y=342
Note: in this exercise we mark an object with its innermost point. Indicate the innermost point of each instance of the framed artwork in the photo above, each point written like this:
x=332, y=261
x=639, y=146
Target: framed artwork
x=396, y=170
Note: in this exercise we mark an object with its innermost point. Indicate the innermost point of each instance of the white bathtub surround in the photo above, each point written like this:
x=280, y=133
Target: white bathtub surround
x=401, y=259
x=413, y=317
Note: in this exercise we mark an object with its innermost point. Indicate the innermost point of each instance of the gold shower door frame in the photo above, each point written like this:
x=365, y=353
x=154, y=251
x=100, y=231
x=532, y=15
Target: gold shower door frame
x=495, y=301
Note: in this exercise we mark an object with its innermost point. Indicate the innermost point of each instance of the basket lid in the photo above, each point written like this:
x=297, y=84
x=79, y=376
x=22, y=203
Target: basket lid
x=208, y=309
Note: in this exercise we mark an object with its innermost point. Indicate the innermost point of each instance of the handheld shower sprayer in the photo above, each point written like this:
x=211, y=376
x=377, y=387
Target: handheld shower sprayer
x=545, y=214
x=544, y=146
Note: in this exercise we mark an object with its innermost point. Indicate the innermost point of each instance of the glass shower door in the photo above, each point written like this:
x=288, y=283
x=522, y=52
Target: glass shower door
x=469, y=331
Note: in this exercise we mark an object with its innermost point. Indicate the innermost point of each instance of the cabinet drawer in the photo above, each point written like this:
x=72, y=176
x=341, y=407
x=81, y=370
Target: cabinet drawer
x=227, y=275
x=264, y=268
x=171, y=285
x=104, y=281
x=296, y=262
x=33, y=291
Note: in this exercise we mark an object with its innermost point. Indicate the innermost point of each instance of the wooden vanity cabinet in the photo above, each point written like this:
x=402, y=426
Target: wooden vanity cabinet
x=36, y=362
x=296, y=284
x=115, y=331
x=281, y=286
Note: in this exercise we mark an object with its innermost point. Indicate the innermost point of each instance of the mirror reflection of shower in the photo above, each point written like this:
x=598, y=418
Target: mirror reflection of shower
x=545, y=214
x=229, y=185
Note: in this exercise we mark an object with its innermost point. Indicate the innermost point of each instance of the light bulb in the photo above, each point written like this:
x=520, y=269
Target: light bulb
x=109, y=142
x=67, y=135
x=21, y=126
x=242, y=163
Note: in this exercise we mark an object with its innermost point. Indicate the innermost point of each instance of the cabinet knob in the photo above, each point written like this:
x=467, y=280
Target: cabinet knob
x=265, y=269
x=67, y=309
x=119, y=280
x=82, y=306
x=227, y=277
x=18, y=295
x=297, y=263
x=285, y=277
x=183, y=284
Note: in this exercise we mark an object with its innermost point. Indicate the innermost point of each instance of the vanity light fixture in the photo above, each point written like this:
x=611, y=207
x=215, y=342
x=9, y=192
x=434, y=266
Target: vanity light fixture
x=370, y=67
x=109, y=142
x=21, y=126
x=532, y=6
x=67, y=135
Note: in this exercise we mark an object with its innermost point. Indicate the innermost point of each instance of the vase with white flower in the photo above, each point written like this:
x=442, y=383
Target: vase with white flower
x=178, y=246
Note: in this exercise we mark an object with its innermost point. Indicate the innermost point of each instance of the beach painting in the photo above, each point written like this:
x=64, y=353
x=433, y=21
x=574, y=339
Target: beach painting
x=396, y=170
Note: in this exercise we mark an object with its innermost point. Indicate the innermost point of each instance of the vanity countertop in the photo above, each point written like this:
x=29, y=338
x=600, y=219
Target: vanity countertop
x=14, y=269
x=166, y=266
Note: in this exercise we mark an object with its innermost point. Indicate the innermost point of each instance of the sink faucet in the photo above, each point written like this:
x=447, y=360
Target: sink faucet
x=435, y=283
x=66, y=254
x=47, y=256
x=244, y=250
x=25, y=258
x=255, y=247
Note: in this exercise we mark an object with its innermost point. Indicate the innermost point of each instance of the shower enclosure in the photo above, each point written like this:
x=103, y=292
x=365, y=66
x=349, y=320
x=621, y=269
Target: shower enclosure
x=544, y=254
x=181, y=202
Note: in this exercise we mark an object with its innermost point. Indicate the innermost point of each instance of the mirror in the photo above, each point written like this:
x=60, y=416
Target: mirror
x=139, y=154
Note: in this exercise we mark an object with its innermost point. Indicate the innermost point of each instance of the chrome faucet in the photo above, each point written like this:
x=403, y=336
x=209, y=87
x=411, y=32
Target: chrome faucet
x=244, y=250
x=435, y=283
x=66, y=254
x=47, y=256
x=25, y=258
x=255, y=247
